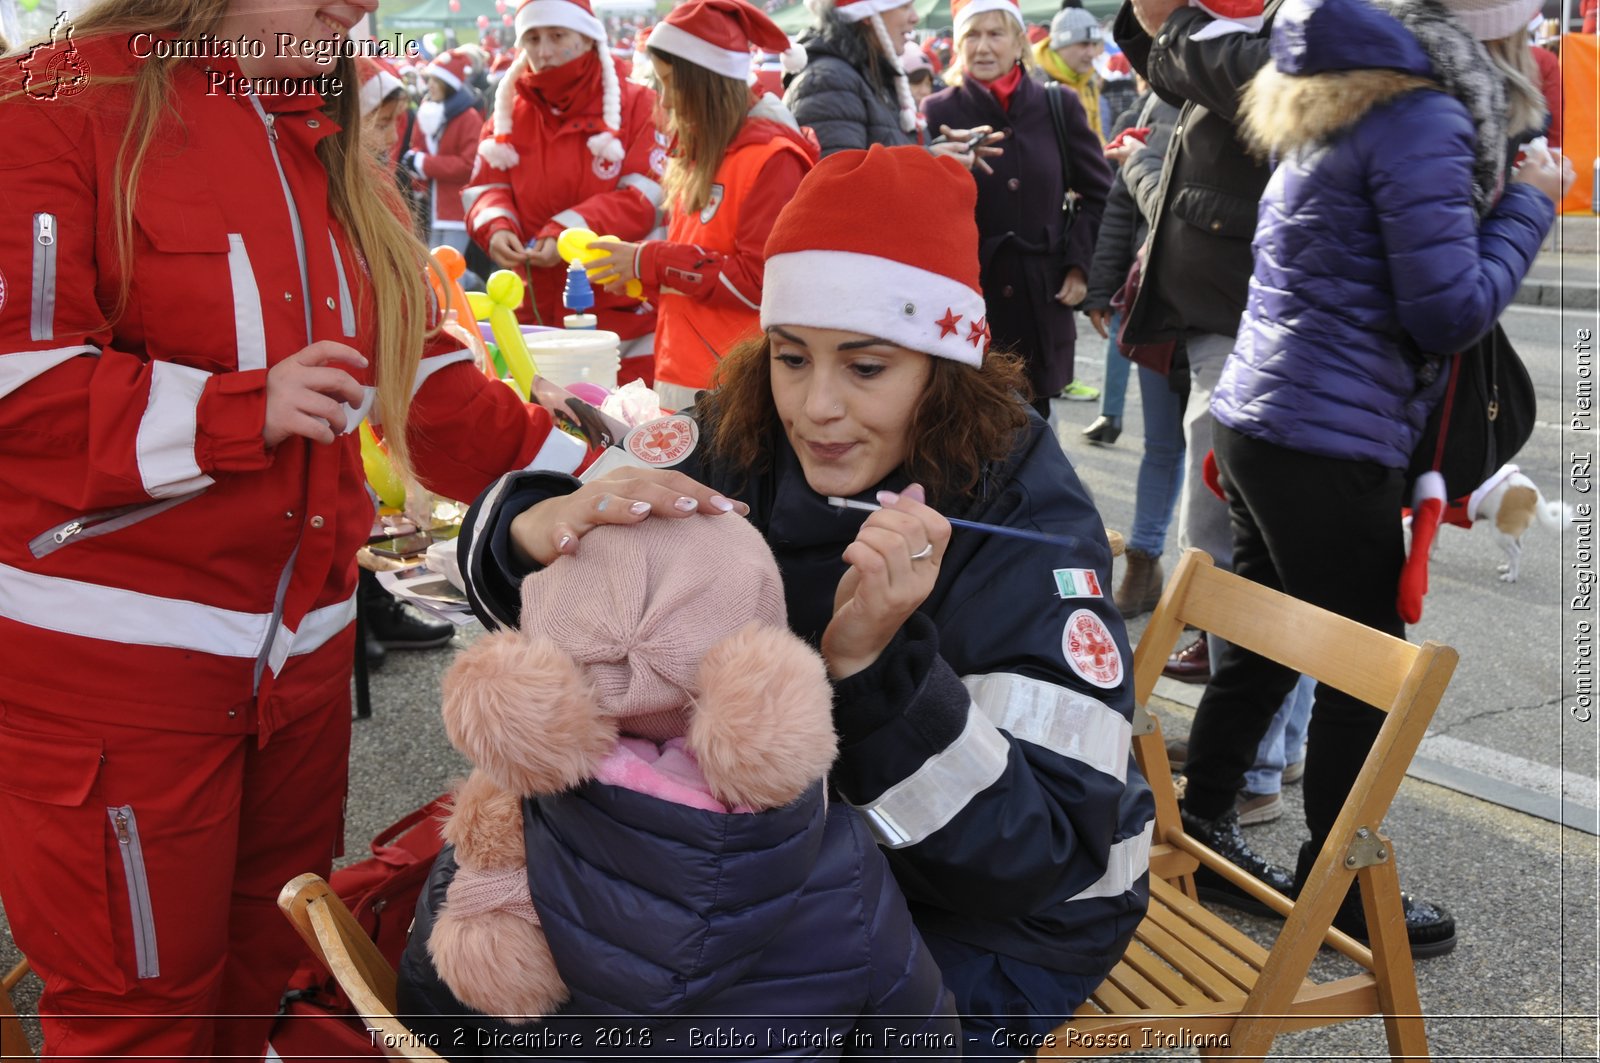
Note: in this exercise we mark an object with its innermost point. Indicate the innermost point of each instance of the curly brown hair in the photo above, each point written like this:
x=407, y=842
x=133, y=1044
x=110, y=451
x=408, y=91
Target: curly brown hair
x=966, y=419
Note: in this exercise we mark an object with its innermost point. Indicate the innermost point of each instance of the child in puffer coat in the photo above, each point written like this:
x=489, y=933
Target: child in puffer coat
x=646, y=858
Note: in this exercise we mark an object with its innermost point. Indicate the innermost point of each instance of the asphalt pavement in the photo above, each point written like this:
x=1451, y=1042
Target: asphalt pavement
x=1480, y=833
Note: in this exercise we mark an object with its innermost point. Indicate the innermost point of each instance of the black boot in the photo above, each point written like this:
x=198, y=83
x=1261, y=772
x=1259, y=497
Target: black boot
x=396, y=626
x=1104, y=430
x=375, y=652
x=1222, y=835
x=1430, y=928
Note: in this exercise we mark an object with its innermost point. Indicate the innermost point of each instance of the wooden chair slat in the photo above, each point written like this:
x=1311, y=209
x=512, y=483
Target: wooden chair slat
x=1189, y=969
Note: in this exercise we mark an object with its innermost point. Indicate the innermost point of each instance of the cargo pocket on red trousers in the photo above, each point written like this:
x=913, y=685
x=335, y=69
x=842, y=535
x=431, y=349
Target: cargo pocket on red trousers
x=54, y=866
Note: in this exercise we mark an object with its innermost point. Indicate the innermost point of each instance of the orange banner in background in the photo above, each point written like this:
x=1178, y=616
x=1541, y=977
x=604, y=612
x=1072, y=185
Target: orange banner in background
x=1580, y=122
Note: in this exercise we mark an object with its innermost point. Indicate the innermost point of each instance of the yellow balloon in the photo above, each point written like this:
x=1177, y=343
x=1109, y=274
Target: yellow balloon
x=391, y=490
x=573, y=245
x=504, y=289
x=481, y=304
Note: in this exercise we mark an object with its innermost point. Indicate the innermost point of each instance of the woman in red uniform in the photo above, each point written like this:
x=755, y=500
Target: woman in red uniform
x=571, y=146
x=209, y=282
x=444, y=146
x=738, y=156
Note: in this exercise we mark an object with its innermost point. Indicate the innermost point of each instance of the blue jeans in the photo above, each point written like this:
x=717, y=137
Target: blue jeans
x=1114, y=392
x=1161, y=468
x=1285, y=740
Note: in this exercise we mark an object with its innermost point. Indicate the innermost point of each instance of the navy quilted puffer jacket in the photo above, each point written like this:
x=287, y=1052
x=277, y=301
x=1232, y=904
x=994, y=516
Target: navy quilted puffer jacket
x=1370, y=262
x=687, y=933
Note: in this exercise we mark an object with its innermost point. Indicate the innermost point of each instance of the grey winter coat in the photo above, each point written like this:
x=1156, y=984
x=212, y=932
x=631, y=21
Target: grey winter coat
x=835, y=96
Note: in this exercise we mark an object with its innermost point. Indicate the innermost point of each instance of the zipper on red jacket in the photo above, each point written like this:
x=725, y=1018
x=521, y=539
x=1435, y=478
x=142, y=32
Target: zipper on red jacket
x=102, y=522
x=43, y=320
x=274, y=626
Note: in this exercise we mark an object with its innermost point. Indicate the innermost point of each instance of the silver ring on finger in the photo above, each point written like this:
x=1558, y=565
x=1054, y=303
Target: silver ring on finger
x=923, y=554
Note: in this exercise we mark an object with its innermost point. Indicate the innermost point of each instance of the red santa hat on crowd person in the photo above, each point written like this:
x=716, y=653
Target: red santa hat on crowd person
x=378, y=82
x=452, y=67
x=718, y=35
x=861, y=11
x=964, y=11
x=579, y=17
x=1232, y=16
x=883, y=271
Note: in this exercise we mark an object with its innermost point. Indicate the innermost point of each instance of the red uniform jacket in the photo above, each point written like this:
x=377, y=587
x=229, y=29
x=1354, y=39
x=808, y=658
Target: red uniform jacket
x=445, y=162
x=710, y=268
x=560, y=185
x=163, y=565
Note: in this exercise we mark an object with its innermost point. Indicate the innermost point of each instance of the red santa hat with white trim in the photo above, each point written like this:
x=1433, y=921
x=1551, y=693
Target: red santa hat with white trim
x=452, y=67
x=964, y=11
x=579, y=17
x=883, y=272
x=379, y=81
x=864, y=10
x=717, y=35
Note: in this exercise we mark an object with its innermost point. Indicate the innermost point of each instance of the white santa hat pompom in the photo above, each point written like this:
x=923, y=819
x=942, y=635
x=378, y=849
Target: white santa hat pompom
x=794, y=59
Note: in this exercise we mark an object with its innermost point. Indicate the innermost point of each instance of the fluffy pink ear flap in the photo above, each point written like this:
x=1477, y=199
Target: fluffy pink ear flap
x=519, y=709
x=485, y=825
x=762, y=727
x=498, y=963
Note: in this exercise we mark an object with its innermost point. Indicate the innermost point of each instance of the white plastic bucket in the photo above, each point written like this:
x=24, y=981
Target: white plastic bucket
x=567, y=356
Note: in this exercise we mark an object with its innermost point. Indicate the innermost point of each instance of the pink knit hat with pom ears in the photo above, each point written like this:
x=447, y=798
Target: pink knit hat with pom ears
x=579, y=17
x=639, y=607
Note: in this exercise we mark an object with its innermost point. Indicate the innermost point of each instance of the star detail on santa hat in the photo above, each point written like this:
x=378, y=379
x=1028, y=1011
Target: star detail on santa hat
x=978, y=332
x=947, y=324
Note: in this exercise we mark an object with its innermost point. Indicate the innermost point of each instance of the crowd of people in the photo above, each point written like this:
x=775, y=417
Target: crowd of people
x=852, y=264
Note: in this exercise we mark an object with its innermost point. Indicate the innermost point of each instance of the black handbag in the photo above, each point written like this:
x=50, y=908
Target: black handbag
x=1483, y=420
x=1058, y=119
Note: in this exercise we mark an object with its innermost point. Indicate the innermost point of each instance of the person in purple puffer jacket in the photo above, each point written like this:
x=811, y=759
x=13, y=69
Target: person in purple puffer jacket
x=1387, y=239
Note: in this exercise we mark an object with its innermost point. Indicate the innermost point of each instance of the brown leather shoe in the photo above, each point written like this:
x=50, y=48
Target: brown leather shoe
x=1192, y=664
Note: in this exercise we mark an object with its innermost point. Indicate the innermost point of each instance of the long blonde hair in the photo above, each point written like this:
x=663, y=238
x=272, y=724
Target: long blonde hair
x=360, y=195
x=706, y=111
x=1525, y=103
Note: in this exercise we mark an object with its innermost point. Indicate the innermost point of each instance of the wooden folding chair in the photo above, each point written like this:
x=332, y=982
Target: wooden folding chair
x=13, y=1042
x=1194, y=981
x=344, y=948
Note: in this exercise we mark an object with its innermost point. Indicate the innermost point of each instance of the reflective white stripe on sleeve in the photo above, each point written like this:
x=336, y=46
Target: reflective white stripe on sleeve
x=114, y=614
x=470, y=194
x=316, y=628
x=1061, y=720
x=570, y=219
x=486, y=216
x=737, y=294
x=19, y=368
x=916, y=806
x=559, y=453
x=1127, y=860
x=164, y=446
x=480, y=546
x=651, y=190
x=250, y=331
x=432, y=364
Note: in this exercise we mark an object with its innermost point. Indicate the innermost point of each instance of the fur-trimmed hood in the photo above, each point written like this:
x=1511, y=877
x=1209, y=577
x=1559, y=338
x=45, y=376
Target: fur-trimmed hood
x=1283, y=112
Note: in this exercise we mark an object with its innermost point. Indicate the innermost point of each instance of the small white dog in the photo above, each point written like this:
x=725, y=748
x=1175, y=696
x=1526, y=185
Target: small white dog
x=1512, y=502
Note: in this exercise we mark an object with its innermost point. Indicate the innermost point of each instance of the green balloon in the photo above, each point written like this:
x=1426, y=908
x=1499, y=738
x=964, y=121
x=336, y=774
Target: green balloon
x=29, y=5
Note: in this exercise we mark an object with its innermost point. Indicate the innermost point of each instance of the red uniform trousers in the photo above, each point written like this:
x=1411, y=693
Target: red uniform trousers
x=140, y=871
